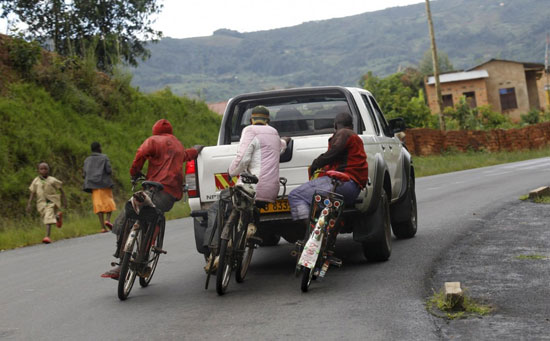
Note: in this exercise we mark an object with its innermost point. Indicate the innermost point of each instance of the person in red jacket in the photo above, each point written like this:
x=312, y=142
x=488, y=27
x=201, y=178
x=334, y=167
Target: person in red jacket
x=166, y=156
x=345, y=154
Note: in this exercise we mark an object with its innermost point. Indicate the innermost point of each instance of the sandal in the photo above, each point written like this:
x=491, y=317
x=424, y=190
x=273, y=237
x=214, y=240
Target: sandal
x=109, y=225
x=103, y=230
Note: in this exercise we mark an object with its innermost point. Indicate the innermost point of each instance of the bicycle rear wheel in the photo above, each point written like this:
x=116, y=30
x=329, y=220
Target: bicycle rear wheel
x=153, y=257
x=128, y=271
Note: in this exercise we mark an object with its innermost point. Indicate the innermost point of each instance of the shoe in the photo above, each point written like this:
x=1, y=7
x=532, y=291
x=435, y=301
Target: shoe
x=59, y=219
x=214, y=267
x=113, y=273
x=109, y=225
x=46, y=240
x=103, y=230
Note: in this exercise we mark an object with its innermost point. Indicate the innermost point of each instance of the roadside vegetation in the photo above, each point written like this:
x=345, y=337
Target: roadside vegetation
x=439, y=306
x=52, y=108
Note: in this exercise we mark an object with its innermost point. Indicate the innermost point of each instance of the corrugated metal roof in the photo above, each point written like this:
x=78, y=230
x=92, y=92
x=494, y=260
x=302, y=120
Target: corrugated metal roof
x=527, y=65
x=459, y=76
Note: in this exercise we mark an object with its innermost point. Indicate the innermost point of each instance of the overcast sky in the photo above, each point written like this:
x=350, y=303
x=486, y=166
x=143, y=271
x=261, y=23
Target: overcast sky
x=182, y=19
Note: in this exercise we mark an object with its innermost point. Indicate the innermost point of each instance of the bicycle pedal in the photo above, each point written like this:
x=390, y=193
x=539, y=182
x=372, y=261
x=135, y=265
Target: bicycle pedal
x=157, y=250
x=335, y=261
x=255, y=239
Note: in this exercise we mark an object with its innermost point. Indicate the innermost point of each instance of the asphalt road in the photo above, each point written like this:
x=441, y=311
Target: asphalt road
x=54, y=292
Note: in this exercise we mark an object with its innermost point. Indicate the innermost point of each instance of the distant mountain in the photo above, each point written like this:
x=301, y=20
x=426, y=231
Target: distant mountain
x=339, y=51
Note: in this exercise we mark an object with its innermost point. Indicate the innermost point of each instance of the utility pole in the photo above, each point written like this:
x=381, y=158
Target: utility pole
x=435, y=66
x=547, y=72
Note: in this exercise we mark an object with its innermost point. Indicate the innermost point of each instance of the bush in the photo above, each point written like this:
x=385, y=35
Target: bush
x=23, y=55
x=532, y=117
x=480, y=118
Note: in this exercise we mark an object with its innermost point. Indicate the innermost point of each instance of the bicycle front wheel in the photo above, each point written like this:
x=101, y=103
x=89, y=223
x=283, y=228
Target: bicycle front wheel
x=246, y=249
x=153, y=257
x=307, y=275
x=225, y=266
x=128, y=271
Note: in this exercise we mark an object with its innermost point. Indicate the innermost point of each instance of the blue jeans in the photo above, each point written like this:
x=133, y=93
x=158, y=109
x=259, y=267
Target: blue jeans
x=300, y=198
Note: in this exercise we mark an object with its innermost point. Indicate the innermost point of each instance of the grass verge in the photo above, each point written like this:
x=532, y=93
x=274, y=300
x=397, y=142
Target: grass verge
x=531, y=257
x=438, y=306
x=455, y=161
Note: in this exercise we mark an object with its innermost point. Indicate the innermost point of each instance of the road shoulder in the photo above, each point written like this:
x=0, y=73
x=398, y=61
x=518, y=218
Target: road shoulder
x=504, y=261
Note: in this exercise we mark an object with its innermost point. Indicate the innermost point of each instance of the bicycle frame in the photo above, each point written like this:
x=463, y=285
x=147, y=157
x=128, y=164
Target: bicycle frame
x=324, y=225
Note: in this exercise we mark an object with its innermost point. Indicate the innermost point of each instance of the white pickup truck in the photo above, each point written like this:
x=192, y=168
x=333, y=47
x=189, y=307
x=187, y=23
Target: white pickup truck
x=306, y=115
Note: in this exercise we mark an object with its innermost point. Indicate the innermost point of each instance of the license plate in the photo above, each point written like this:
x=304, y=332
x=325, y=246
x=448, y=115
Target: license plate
x=280, y=205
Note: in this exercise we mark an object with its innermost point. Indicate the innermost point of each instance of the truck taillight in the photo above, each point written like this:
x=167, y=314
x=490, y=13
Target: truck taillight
x=191, y=179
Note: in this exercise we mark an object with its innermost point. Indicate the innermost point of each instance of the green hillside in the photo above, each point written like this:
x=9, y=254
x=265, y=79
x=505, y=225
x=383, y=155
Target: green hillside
x=55, y=108
x=339, y=51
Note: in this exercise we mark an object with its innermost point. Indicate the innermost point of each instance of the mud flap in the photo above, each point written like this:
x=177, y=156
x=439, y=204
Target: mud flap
x=364, y=227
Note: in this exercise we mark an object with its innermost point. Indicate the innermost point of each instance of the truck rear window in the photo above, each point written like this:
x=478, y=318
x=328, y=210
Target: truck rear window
x=297, y=116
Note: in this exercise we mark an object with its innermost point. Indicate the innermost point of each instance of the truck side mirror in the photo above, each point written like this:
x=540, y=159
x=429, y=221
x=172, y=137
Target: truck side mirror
x=397, y=125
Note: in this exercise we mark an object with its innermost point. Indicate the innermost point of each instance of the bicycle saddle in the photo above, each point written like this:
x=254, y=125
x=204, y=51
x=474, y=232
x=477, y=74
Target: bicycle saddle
x=338, y=175
x=248, y=178
x=157, y=185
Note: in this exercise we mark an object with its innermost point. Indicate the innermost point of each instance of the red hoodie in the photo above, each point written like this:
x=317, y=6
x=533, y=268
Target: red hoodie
x=166, y=156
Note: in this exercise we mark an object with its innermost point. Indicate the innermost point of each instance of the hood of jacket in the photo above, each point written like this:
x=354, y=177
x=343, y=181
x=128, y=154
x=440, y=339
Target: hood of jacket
x=162, y=127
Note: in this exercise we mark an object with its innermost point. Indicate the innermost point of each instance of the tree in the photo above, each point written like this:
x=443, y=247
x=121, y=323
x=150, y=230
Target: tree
x=113, y=29
x=401, y=95
x=425, y=66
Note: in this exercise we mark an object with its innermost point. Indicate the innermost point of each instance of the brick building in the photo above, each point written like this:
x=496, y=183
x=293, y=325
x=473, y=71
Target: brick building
x=509, y=87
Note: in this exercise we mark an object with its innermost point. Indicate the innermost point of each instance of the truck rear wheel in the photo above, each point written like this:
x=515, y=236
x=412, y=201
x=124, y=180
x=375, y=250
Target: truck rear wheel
x=379, y=249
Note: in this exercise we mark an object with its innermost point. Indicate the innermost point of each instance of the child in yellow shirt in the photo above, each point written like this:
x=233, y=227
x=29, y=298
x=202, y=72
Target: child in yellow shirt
x=48, y=202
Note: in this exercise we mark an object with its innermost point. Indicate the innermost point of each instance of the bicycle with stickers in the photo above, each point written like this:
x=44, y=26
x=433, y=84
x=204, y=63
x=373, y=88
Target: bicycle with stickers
x=315, y=252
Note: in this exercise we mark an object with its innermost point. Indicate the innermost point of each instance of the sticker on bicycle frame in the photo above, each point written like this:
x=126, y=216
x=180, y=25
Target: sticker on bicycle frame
x=317, y=198
x=324, y=212
x=331, y=223
x=327, y=203
x=223, y=180
x=337, y=204
x=310, y=253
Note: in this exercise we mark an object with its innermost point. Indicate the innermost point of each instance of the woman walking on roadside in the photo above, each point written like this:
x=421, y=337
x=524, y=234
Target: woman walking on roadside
x=97, y=180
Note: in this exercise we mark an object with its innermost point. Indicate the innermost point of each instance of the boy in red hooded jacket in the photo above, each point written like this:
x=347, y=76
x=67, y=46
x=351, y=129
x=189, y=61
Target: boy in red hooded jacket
x=166, y=156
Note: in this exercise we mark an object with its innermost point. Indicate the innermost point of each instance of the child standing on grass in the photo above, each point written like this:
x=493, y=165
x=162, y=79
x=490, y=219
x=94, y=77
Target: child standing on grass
x=48, y=202
x=97, y=180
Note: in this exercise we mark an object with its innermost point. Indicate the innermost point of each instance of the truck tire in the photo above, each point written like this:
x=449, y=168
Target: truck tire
x=408, y=227
x=379, y=249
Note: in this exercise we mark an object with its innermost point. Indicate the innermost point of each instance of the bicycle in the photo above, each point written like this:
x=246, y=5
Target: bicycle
x=144, y=234
x=315, y=252
x=237, y=241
